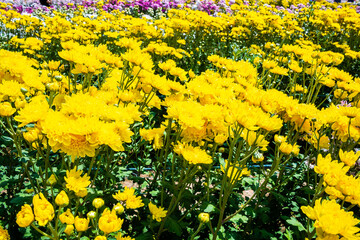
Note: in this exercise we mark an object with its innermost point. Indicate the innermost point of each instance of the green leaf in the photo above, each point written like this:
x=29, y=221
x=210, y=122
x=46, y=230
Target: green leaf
x=294, y=222
x=6, y=139
x=301, y=200
x=145, y=236
x=154, y=193
x=222, y=163
x=209, y=208
x=20, y=200
x=239, y=218
x=288, y=235
x=279, y=197
x=173, y=226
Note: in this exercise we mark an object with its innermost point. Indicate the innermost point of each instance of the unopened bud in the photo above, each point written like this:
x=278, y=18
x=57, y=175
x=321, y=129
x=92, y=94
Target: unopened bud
x=119, y=208
x=98, y=202
x=58, y=78
x=204, y=217
x=91, y=214
x=23, y=90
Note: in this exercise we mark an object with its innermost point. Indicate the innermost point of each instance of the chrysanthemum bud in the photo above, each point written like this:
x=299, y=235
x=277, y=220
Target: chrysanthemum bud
x=100, y=238
x=204, y=217
x=69, y=229
x=98, y=202
x=58, y=78
x=25, y=217
x=119, y=208
x=91, y=214
x=62, y=199
x=52, y=86
x=81, y=224
x=19, y=103
x=6, y=109
x=257, y=157
x=23, y=90
x=51, y=180
x=82, y=193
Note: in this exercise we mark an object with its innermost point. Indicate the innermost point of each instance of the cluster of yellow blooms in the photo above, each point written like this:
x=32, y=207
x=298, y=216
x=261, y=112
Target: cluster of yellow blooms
x=339, y=185
x=109, y=222
x=331, y=220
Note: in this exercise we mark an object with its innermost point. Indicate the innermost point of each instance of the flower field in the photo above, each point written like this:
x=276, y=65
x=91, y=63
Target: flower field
x=179, y=119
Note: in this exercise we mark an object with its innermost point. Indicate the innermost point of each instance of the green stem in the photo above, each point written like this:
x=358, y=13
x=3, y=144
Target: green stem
x=41, y=232
x=197, y=231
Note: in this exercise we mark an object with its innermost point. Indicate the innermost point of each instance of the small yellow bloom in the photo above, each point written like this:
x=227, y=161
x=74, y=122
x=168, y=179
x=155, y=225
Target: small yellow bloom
x=67, y=217
x=31, y=135
x=75, y=182
x=257, y=157
x=91, y=214
x=204, y=217
x=157, y=212
x=109, y=222
x=286, y=148
x=69, y=229
x=53, y=65
x=98, y=202
x=193, y=155
x=44, y=211
x=119, y=208
x=25, y=217
x=120, y=237
x=6, y=110
x=4, y=235
x=62, y=199
x=100, y=238
x=81, y=224
x=349, y=158
x=280, y=139
x=81, y=193
x=52, y=179
x=124, y=195
x=134, y=202
x=235, y=172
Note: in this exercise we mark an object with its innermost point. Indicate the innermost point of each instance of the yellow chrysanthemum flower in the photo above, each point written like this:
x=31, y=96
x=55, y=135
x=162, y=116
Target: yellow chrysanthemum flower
x=62, y=199
x=331, y=219
x=109, y=222
x=25, y=217
x=81, y=224
x=349, y=158
x=120, y=237
x=235, y=172
x=193, y=155
x=6, y=109
x=75, y=182
x=157, y=212
x=34, y=111
x=134, y=202
x=4, y=234
x=67, y=217
x=124, y=195
x=43, y=210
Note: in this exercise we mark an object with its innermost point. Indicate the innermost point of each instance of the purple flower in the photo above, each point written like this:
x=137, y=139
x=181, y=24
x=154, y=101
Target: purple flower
x=29, y=10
